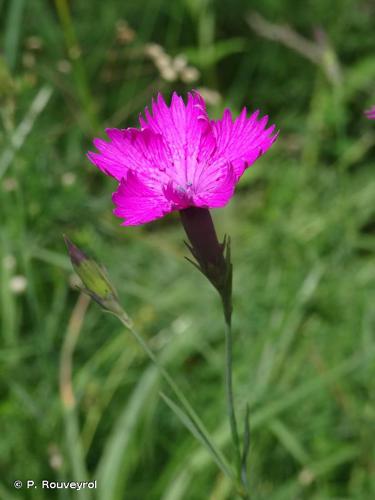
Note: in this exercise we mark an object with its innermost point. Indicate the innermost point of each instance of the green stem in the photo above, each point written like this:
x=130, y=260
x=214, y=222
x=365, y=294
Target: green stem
x=229, y=392
x=227, y=308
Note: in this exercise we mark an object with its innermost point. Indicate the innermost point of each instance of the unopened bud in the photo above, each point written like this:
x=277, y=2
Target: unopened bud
x=95, y=280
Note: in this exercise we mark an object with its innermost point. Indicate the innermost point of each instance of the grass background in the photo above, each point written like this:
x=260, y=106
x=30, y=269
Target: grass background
x=302, y=233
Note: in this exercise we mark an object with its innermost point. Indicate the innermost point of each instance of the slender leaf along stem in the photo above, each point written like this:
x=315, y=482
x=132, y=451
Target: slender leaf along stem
x=195, y=420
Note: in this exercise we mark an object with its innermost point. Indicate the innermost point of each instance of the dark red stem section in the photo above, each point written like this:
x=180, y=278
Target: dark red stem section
x=200, y=230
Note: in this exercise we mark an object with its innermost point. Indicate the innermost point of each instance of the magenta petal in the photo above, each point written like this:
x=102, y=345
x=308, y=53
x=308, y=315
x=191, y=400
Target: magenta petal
x=370, y=113
x=137, y=203
x=216, y=188
x=130, y=149
x=182, y=127
x=242, y=141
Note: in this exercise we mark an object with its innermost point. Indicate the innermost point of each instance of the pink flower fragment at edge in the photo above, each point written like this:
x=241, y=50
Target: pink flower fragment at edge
x=179, y=158
x=370, y=113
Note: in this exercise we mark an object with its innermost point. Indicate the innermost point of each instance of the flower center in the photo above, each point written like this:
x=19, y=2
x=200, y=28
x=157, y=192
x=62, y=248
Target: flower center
x=184, y=189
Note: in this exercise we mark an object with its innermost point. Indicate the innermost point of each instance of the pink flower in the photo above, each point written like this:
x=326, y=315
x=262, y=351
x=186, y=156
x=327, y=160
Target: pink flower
x=179, y=158
x=370, y=113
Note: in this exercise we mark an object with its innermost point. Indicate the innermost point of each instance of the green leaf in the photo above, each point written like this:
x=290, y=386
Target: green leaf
x=190, y=425
x=12, y=31
x=111, y=468
x=246, y=446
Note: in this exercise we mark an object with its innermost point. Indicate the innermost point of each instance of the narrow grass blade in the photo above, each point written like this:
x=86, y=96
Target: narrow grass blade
x=12, y=31
x=245, y=448
x=289, y=441
x=8, y=306
x=190, y=425
x=24, y=128
x=111, y=469
x=75, y=450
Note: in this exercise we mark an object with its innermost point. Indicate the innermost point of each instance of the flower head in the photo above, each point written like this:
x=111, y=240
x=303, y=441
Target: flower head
x=179, y=158
x=370, y=113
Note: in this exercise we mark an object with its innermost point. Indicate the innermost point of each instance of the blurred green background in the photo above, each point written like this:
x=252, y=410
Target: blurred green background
x=302, y=231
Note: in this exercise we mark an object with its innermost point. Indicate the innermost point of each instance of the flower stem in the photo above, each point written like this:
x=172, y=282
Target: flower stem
x=230, y=401
x=229, y=391
x=213, y=259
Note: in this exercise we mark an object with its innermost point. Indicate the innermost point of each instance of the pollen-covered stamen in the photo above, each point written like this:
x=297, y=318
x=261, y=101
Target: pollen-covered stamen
x=186, y=188
x=179, y=194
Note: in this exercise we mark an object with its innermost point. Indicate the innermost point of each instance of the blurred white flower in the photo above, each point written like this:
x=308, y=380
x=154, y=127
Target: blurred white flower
x=190, y=74
x=306, y=477
x=124, y=33
x=211, y=96
x=55, y=458
x=154, y=50
x=64, y=66
x=34, y=42
x=171, y=69
x=168, y=74
x=18, y=284
x=179, y=62
x=68, y=179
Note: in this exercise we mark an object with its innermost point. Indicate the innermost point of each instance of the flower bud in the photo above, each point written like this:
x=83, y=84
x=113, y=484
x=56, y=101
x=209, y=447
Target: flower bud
x=95, y=281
